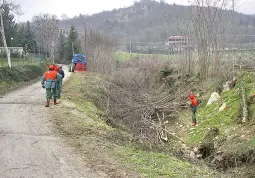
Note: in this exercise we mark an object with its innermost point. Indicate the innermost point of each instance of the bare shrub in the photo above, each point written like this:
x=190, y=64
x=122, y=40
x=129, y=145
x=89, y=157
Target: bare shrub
x=140, y=90
x=213, y=29
x=101, y=50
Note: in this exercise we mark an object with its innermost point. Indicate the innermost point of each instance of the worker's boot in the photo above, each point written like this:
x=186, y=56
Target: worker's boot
x=55, y=101
x=194, y=123
x=47, y=103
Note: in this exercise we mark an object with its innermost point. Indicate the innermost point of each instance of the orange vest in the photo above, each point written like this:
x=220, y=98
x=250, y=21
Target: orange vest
x=51, y=75
x=194, y=102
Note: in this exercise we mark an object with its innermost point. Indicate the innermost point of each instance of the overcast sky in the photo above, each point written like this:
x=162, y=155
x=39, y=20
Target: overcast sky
x=75, y=7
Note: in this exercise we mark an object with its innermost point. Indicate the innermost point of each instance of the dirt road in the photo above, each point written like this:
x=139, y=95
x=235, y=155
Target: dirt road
x=28, y=145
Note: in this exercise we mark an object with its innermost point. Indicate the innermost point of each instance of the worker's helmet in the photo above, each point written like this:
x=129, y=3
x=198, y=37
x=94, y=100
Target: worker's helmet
x=57, y=68
x=191, y=96
x=52, y=67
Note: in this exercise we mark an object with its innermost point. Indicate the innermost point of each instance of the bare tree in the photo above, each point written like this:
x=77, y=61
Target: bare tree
x=210, y=20
x=101, y=50
x=4, y=40
x=45, y=28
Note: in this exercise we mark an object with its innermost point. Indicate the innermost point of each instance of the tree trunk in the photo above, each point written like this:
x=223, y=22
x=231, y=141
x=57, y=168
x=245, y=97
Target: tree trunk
x=4, y=40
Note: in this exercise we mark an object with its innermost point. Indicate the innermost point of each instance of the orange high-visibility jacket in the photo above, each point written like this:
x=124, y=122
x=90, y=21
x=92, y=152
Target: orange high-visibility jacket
x=194, y=102
x=51, y=75
x=50, y=79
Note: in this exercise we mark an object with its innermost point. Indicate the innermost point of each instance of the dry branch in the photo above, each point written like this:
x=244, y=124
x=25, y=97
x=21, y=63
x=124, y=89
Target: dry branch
x=244, y=104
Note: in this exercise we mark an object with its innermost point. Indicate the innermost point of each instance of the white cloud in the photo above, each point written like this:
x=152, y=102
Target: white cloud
x=247, y=6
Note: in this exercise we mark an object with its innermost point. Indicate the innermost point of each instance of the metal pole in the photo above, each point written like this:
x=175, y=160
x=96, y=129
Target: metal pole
x=85, y=36
x=124, y=43
x=53, y=51
x=130, y=46
x=72, y=47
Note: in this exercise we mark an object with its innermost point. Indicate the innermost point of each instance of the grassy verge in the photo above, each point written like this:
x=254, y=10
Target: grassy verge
x=18, y=76
x=107, y=149
x=121, y=56
x=210, y=117
x=225, y=142
x=227, y=121
x=152, y=164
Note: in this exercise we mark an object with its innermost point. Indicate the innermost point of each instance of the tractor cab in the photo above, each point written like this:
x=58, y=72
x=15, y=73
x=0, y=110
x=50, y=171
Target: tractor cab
x=78, y=63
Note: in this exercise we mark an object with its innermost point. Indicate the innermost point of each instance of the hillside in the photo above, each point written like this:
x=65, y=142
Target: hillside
x=221, y=139
x=147, y=21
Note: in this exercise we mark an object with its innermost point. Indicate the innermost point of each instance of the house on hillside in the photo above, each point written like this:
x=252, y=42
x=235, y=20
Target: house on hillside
x=178, y=43
x=66, y=32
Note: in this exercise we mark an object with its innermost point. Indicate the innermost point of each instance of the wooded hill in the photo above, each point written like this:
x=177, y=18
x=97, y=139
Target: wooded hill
x=149, y=21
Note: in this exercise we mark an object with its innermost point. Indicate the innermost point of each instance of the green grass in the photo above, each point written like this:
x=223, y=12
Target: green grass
x=210, y=117
x=18, y=61
x=226, y=121
x=122, y=56
x=78, y=92
x=155, y=165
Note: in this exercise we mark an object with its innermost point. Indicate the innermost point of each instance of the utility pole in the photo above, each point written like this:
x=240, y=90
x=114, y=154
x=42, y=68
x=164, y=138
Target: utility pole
x=130, y=47
x=85, y=36
x=124, y=43
x=72, y=47
x=53, y=51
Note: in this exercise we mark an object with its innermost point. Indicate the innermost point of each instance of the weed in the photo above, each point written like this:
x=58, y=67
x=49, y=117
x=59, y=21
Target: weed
x=151, y=164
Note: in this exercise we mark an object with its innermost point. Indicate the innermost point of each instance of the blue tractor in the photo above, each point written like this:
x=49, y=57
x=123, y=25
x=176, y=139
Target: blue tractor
x=78, y=63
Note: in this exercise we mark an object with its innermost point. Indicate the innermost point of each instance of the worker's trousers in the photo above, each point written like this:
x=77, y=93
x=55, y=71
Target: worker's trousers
x=51, y=92
x=58, y=89
x=194, y=110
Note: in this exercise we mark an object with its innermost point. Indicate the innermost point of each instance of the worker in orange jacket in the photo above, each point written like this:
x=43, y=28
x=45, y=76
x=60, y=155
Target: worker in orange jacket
x=49, y=81
x=194, y=104
x=59, y=83
x=57, y=68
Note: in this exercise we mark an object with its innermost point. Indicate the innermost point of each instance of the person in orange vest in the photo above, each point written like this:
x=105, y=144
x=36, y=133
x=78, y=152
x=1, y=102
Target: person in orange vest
x=61, y=72
x=194, y=104
x=57, y=68
x=49, y=81
x=58, y=84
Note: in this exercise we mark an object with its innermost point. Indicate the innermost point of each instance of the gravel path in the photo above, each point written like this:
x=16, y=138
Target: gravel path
x=29, y=147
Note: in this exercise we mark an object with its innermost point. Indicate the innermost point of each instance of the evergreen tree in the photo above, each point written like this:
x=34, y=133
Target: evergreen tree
x=26, y=39
x=20, y=35
x=29, y=42
x=61, y=48
x=73, y=45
